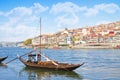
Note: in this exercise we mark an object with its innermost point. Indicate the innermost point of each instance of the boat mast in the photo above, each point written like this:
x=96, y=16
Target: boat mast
x=40, y=34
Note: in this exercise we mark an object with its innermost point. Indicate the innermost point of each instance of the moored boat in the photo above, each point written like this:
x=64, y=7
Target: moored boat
x=52, y=65
x=3, y=58
x=35, y=61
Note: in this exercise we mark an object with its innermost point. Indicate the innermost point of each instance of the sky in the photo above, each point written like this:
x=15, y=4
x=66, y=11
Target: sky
x=20, y=19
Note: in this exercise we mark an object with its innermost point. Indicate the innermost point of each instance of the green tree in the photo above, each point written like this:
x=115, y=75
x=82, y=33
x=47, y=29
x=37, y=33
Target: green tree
x=28, y=41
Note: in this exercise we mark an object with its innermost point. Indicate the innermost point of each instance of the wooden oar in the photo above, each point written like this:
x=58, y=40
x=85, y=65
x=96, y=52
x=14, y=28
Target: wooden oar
x=19, y=56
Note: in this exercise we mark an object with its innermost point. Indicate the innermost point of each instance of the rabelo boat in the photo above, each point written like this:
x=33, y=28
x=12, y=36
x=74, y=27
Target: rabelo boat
x=35, y=61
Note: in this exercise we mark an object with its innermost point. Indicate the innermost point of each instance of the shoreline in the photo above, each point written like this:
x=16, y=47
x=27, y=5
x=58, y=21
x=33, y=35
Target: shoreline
x=82, y=46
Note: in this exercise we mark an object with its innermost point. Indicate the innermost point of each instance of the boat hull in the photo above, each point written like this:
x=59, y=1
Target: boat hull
x=50, y=65
x=3, y=58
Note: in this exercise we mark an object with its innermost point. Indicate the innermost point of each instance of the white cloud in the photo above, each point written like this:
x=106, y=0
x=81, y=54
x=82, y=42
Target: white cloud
x=19, y=11
x=67, y=20
x=19, y=33
x=21, y=22
x=24, y=11
x=91, y=11
x=37, y=8
x=108, y=8
x=66, y=7
x=66, y=13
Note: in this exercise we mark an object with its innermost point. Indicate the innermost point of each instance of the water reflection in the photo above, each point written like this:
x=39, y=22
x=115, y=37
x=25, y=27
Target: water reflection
x=40, y=74
x=3, y=65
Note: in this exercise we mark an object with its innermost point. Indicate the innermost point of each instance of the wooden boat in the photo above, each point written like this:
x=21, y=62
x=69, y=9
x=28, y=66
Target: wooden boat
x=3, y=58
x=52, y=65
x=49, y=63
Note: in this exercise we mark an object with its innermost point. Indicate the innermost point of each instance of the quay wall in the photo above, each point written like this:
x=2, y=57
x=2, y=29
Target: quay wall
x=96, y=45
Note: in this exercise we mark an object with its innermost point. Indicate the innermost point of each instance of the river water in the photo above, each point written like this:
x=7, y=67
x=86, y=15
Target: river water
x=100, y=64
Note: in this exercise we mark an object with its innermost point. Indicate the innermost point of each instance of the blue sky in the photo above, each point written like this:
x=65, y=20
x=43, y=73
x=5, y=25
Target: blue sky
x=19, y=19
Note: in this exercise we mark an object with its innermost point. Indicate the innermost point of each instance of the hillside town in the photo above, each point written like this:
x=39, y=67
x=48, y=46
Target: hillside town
x=98, y=36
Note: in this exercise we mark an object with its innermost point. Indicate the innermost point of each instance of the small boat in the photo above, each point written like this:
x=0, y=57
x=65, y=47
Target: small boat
x=50, y=64
x=3, y=58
